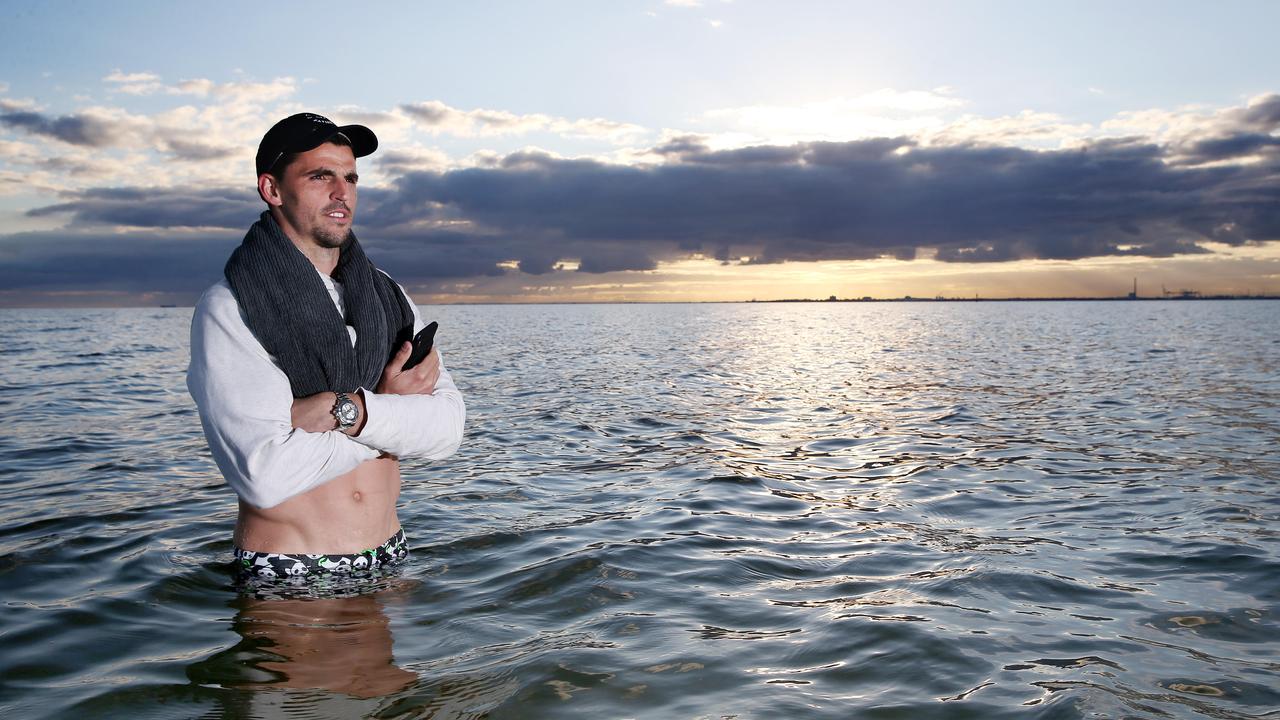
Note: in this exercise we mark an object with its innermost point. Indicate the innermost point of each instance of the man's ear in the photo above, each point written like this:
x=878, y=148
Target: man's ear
x=269, y=190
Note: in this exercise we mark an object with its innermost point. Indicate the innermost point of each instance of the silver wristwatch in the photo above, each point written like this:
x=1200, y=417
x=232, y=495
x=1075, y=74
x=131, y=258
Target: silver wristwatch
x=346, y=411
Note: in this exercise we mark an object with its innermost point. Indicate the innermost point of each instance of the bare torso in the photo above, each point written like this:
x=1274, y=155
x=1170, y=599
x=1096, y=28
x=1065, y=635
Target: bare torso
x=348, y=514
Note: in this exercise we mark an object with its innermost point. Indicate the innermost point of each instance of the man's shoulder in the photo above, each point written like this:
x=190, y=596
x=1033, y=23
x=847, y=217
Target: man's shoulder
x=403, y=292
x=218, y=300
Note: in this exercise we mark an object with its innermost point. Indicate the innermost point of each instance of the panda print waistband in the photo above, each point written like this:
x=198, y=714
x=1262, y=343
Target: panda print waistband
x=251, y=564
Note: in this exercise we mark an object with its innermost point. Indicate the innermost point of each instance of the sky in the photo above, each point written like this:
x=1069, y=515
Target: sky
x=651, y=150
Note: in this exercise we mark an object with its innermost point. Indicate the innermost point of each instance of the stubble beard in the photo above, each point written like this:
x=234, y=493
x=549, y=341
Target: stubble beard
x=326, y=238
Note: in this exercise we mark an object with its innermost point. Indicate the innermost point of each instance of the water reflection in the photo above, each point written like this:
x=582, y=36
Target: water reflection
x=343, y=645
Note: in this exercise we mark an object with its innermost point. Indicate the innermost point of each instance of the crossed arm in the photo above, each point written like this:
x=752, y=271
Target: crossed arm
x=314, y=413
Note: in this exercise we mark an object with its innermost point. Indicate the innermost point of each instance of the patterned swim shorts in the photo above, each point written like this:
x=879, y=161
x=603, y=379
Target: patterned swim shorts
x=269, y=566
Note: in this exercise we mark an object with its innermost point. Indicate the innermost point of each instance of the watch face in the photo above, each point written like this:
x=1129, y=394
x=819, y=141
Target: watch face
x=348, y=411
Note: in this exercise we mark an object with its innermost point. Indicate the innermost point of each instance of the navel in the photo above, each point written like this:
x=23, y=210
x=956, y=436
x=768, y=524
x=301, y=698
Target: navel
x=357, y=496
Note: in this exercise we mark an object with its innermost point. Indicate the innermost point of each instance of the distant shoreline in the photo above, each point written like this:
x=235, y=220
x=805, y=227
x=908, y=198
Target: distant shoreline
x=1172, y=298
x=907, y=299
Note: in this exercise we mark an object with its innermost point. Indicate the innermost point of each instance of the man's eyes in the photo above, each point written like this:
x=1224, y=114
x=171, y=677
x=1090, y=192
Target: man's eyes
x=353, y=179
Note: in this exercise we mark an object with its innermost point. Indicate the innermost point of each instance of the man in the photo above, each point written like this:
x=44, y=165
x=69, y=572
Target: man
x=296, y=367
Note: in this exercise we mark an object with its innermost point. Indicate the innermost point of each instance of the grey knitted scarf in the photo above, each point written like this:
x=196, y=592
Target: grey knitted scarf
x=289, y=310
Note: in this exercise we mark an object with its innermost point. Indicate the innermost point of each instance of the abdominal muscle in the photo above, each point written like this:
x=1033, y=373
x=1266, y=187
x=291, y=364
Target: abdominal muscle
x=348, y=514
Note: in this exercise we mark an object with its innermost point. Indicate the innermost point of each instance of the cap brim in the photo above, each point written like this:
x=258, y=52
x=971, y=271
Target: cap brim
x=363, y=141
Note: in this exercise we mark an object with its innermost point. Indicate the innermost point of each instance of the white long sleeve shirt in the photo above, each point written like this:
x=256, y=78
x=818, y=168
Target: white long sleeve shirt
x=245, y=400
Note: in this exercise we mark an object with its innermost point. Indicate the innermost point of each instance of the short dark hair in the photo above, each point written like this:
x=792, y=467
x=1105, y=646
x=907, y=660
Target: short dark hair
x=277, y=170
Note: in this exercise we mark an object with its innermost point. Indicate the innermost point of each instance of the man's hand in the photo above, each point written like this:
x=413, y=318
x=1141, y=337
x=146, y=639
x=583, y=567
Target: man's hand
x=314, y=413
x=417, y=380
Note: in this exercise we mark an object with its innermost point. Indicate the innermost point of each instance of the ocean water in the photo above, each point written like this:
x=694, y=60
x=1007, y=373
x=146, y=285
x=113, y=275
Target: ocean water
x=891, y=510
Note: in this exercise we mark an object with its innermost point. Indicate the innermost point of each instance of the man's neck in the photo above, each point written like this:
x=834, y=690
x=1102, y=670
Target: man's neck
x=325, y=259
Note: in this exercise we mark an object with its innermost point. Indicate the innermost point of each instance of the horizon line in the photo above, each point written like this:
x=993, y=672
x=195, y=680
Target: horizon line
x=868, y=299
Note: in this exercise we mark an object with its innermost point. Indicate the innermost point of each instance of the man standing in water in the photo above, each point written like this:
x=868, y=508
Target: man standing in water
x=296, y=367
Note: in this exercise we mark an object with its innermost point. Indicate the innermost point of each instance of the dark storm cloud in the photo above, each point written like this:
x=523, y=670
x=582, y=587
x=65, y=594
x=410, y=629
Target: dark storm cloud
x=91, y=261
x=149, y=208
x=72, y=129
x=887, y=197
x=413, y=254
x=613, y=259
x=538, y=261
x=1229, y=147
x=856, y=200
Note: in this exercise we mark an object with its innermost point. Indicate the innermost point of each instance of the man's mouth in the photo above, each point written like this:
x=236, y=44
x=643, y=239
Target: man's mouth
x=339, y=213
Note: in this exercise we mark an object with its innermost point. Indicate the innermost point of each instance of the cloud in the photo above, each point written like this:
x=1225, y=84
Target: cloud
x=156, y=208
x=616, y=258
x=533, y=212
x=249, y=94
x=80, y=129
x=1262, y=114
x=17, y=105
x=437, y=117
x=1182, y=129
x=851, y=200
x=148, y=83
x=207, y=139
x=1230, y=147
x=397, y=162
x=104, y=128
x=392, y=124
x=1025, y=129
x=20, y=152
x=99, y=261
x=183, y=149
x=120, y=77
x=1234, y=134
x=40, y=169
x=143, y=83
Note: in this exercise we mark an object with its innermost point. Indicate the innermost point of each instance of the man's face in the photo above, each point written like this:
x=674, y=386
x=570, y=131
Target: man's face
x=317, y=196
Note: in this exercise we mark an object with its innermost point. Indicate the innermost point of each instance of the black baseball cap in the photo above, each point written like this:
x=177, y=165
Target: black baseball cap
x=307, y=131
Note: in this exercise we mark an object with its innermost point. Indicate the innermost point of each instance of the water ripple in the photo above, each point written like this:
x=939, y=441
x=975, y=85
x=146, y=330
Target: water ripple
x=1045, y=510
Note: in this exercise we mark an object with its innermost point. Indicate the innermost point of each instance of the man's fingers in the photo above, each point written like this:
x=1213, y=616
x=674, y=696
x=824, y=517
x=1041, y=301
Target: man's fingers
x=398, y=360
x=417, y=380
x=429, y=361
